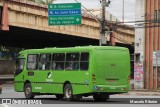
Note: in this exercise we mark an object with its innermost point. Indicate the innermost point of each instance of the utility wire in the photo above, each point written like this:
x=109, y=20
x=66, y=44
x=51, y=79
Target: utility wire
x=122, y=40
x=90, y=13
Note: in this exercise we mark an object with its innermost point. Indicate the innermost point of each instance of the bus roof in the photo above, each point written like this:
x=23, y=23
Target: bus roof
x=71, y=49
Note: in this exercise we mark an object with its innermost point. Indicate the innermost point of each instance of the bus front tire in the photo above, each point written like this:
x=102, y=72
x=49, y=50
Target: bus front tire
x=28, y=91
x=100, y=97
x=68, y=92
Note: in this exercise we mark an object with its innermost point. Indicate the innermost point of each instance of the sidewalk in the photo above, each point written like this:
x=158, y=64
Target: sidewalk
x=143, y=93
x=6, y=79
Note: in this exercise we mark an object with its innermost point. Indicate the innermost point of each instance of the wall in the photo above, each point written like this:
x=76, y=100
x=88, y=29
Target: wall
x=139, y=45
x=152, y=43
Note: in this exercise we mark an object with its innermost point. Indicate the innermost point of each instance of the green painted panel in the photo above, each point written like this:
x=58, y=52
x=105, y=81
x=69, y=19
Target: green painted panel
x=65, y=6
x=65, y=20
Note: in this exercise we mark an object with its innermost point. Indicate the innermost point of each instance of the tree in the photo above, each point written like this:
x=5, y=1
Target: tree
x=43, y=1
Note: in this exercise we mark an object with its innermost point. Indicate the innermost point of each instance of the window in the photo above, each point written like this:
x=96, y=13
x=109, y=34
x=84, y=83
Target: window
x=1, y=10
x=32, y=63
x=84, y=62
x=72, y=61
x=44, y=62
x=19, y=66
x=58, y=61
x=155, y=15
x=137, y=57
x=110, y=17
x=158, y=15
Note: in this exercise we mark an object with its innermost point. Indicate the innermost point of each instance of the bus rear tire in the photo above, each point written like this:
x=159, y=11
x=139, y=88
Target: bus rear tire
x=100, y=97
x=28, y=91
x=68, y=92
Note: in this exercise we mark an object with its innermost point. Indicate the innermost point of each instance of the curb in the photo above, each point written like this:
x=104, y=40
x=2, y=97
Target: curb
x=140, y=93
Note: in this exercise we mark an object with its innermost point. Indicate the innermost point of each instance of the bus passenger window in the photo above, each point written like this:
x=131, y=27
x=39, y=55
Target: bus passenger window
x=44, y=62
x=32, y=63
x=72, y=61
x=58, y=61
x=84, y=62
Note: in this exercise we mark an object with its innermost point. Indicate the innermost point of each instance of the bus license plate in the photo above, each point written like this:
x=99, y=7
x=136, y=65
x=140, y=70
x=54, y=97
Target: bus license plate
x=111, y=80
x=112, y=88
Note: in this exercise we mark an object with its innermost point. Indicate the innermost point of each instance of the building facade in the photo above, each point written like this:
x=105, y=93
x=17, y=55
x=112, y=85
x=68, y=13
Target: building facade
x=139, y=46
x=147, y=43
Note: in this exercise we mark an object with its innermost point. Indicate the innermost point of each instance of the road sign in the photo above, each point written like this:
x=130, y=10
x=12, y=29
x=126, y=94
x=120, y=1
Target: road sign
x=65, y=6
x=64, y=14
x=65, y=20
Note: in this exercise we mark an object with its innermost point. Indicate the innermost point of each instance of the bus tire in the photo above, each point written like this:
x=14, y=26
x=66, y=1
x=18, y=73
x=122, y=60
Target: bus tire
x=28, y=91
x=68, y=92
x=59, y=96
x=100, y=97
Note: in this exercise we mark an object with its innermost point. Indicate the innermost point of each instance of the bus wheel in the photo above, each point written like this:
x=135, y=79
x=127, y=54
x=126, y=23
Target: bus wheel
x=68, y=92
x=28, y=91
x=59, y=96
x=100, y=97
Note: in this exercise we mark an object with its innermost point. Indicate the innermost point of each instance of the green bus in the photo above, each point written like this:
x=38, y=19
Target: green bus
x=72, y=73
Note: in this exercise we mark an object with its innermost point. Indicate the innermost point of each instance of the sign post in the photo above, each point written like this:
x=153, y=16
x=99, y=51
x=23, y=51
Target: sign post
x=64, y=14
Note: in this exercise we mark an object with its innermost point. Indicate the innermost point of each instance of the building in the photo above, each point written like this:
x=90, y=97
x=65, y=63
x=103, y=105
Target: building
x=147, y=45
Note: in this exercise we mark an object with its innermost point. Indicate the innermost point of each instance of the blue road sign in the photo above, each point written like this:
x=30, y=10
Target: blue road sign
x=65, y=12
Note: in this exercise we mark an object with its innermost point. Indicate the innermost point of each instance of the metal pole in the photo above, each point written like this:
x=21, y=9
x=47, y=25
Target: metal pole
x=103, y=40
x=122, y=10
x=156, y=70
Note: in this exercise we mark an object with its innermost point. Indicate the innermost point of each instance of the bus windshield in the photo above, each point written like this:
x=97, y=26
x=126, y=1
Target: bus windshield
x=19, y=66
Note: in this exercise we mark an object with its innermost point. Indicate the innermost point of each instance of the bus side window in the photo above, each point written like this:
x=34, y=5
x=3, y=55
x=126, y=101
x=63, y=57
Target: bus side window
x=58, y=60
x=84, y=62
x=32, y=62
x=44, y=62
x=72, y=61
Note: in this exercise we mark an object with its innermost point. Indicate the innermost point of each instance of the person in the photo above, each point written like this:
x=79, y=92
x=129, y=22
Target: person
x=69, y=66
x=75, y=66
x=42, y=66
x=58, y=67
x=54, y=66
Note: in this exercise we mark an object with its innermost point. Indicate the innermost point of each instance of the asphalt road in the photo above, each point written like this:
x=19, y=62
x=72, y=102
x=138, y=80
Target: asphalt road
x=122, y=99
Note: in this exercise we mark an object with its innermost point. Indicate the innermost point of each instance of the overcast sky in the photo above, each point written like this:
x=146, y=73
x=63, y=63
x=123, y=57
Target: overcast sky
x=115, y=7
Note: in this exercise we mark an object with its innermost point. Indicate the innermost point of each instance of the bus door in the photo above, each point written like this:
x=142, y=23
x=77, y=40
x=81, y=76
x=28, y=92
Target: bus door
x=18, y=74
